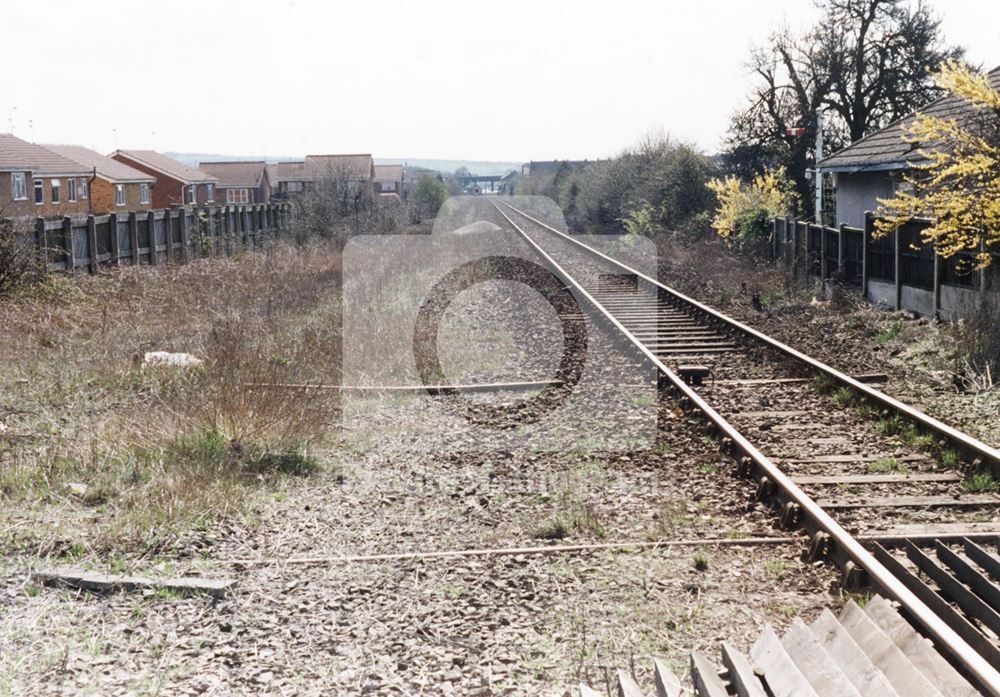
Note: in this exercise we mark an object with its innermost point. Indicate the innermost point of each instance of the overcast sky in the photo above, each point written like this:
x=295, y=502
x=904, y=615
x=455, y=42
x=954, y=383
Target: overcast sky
x=506, y=80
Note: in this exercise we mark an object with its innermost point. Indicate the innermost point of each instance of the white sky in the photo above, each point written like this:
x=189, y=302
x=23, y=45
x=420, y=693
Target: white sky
x=505, y=80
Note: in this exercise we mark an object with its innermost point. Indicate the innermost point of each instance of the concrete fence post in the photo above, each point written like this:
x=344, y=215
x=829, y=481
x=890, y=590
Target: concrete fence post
x=92, y=243
x=133, y=236
x=116, y=252
x=67, y=228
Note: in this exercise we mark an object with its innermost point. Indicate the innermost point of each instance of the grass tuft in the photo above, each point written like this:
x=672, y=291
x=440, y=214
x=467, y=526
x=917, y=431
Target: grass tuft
x=886, y=464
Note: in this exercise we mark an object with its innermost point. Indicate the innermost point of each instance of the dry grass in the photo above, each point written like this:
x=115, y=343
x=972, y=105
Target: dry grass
x=100, y=451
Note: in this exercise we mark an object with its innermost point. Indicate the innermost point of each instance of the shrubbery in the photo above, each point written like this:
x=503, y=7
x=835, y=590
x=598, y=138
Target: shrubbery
x=744, y=208
x=658, y=185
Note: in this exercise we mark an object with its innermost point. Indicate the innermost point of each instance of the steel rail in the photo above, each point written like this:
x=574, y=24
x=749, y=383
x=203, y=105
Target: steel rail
x=985, y=674
x=964, y=441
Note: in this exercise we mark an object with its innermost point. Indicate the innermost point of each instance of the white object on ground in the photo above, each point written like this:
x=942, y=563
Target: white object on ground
x=180, y=360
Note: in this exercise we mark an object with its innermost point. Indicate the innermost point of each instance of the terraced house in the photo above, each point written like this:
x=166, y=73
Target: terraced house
x=176, y=183
x=114, y=186
x=239, y=183
x=35, y=181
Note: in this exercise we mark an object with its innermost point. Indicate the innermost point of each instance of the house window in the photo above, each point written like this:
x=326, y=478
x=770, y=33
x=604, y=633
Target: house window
x=56, y=191
x=144, y=194
x=237, y=196
x=71, y=190
x=389, y=186
x=210, y=193
x=293, y=187
x=18, y=186
x=39, y=192
x=119, y=194
x=84, y=188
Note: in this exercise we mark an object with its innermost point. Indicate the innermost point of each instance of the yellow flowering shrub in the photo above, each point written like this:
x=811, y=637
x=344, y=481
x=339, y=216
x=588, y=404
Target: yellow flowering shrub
x=745, y=207
x=958, y=185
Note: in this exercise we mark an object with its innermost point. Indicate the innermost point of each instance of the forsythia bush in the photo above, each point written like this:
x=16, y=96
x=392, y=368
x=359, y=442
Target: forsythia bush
x=744, y=208
x=958, y=186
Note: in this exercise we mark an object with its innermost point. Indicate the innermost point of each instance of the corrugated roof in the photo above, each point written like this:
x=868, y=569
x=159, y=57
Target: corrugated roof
x=112, y=170
x=235, y=174
x=167, y=165
x=388, y=173
x=17, y=155
x=887, y=148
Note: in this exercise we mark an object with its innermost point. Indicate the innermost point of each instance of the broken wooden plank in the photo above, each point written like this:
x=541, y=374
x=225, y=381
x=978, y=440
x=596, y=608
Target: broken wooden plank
x=667, y=684
x=104, y=583
x=627, y=687
x=705, y=677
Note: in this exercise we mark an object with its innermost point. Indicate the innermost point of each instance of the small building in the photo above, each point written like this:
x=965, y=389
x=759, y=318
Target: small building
x=239, y=183
x=389, y=179
x=873, y=167
x=176, y=183
x=36, y=182
x=114, y=186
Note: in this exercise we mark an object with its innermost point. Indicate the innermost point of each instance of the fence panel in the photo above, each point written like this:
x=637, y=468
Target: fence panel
x=853, y=254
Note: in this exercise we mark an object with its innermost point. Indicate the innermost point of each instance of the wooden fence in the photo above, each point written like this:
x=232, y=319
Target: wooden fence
x=153, y=237
x=897, y=270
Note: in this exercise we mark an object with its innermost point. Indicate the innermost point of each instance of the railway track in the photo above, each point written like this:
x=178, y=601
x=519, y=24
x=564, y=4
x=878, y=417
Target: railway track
x=886, y=492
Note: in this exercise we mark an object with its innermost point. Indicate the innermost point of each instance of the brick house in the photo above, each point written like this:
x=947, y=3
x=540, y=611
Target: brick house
x=389, y=180
x=35, y=181
x=114, y=186
x=291, y=178
x=176, y=183
x=239, y=183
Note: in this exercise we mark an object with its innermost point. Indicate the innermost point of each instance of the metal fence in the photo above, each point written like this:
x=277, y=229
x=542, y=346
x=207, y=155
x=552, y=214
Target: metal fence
x=152, y=237
x=856, y=257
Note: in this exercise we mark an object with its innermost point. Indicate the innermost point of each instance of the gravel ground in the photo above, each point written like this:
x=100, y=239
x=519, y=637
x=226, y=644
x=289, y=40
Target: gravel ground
x=401, y=480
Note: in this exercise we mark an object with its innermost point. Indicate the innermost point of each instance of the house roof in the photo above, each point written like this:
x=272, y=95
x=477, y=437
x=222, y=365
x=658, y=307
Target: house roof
x=18, y=155
x=235, y=175
x=287, y=171
x=167, y=165
x=388, y=173
x=346, y=166
x=112, y=170
x=316, y=167
x=887, y=149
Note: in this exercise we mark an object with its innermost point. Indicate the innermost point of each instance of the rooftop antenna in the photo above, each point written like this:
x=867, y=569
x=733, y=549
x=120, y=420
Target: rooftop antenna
x=31, y=130
x=152, y=135
x=10, y=118
x=114, y=137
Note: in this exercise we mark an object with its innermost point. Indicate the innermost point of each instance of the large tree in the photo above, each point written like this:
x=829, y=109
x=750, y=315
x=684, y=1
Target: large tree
x=864, y=64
